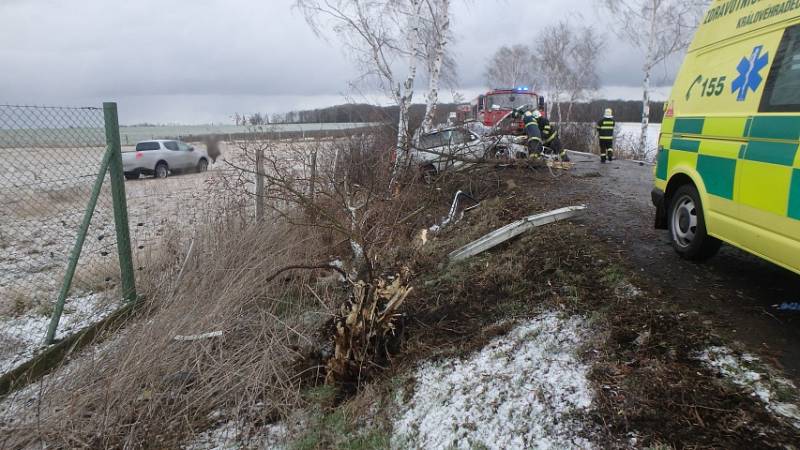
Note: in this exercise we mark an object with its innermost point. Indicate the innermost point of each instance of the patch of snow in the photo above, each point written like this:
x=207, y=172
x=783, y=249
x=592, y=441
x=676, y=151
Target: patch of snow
x=224, y=436
x=235, y=435
x=340, y=265
x=22, y=407
x=627, y=290
x=527, y=389
x=22, y=336
x=748, y=372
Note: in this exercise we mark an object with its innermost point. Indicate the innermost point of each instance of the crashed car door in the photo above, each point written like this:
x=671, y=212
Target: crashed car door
x=469, y=145
x=463, y=144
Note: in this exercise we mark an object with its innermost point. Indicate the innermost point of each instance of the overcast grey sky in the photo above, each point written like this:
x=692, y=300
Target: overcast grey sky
x=198, y=61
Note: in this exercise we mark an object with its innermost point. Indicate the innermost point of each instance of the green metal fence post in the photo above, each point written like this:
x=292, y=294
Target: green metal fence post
x=120, y=202
x=76, y=250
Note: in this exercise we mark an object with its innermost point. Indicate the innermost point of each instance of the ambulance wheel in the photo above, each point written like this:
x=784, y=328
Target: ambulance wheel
x=687, y=226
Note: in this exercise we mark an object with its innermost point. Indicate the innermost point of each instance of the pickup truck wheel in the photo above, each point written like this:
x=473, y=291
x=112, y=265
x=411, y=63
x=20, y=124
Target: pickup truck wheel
x=131, y=175
x=687, y=226
x=162, y=170
x=202, y=166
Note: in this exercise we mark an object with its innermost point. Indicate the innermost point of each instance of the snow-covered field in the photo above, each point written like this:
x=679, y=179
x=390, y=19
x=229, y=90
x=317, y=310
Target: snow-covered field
x=42, y=204
x=628, y=135
x=527, y=389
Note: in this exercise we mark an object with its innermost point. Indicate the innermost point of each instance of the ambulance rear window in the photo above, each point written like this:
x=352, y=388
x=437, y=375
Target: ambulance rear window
x=782, y=92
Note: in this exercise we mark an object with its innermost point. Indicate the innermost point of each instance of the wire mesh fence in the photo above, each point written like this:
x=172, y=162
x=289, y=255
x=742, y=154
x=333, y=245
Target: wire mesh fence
x=51, y=158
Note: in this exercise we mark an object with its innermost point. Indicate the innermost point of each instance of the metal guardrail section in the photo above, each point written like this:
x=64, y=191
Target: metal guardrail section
x=513, y=230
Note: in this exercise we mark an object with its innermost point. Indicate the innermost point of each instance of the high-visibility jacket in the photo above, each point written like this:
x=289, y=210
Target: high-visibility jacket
x=605, y=128
x=549, y=131
x=532, y=128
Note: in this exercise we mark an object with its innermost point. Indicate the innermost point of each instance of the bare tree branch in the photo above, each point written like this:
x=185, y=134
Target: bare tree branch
x=660, y=28
x=511, y=67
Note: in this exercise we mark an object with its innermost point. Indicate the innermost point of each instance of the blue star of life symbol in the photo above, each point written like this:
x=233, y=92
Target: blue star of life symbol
x=749, y=77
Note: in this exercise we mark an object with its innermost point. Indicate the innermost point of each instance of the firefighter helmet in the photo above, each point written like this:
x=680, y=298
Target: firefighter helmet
x=609, y=113
x=536, y=114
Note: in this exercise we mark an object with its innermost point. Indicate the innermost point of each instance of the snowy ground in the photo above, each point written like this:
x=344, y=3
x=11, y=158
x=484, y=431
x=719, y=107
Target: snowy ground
x=21, y=337
x=779, y=395
x=527, y=389
x=229, y=435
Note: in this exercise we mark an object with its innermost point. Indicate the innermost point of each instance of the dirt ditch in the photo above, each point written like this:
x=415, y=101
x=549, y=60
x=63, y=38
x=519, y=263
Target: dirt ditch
x=651, y=389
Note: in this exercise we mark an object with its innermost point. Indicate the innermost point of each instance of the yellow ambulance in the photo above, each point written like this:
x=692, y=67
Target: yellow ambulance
x=728, y=165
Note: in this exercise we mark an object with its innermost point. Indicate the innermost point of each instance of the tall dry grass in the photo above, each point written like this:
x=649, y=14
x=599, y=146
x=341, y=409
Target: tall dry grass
x=144, y=389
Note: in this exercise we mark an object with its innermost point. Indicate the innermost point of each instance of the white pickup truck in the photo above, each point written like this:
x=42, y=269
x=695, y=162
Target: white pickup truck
x=161, y=157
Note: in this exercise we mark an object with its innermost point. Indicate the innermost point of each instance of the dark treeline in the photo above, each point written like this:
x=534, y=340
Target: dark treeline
x=358, y=113
x=624, y=111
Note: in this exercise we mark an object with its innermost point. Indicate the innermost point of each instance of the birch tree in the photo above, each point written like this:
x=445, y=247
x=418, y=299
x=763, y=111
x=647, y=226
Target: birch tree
x=511, y=67
x=659, y=28
x=554, y=53
x=438, y=33
x=406, y=95
x=376, y=33
x=583, y=81
x=568, y=58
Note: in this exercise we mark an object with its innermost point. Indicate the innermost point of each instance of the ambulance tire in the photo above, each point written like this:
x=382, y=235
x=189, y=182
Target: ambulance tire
x=687, y=226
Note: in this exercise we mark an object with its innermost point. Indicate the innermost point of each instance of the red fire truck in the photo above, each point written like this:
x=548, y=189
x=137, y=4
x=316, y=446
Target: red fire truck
x=493, y=106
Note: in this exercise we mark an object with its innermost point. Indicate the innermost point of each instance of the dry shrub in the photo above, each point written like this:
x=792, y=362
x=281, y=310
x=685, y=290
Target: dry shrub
x=145, y=389
x=626, y=146
x=579, y=136
x=341, y=185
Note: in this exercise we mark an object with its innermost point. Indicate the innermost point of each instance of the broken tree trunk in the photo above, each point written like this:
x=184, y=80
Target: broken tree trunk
x=513, y=230
x=365, y=328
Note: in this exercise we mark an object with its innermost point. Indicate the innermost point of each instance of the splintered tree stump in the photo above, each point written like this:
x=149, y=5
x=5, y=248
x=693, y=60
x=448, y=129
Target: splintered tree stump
x=365, y=328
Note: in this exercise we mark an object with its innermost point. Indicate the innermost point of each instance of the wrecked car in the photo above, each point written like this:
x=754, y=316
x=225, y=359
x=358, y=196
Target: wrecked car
x=448, y=148
x=456, y=147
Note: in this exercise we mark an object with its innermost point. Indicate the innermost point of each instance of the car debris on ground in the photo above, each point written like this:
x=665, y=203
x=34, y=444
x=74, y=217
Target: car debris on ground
x=513, y=230
x=198, y=337
x=451, y=216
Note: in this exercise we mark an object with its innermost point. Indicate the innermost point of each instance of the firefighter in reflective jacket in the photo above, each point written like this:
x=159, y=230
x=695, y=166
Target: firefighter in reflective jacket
x=550, y=136
x=531, y=130
x=605, y=130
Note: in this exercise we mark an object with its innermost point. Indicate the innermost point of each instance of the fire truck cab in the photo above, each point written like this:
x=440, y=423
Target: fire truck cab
x=490, y=108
